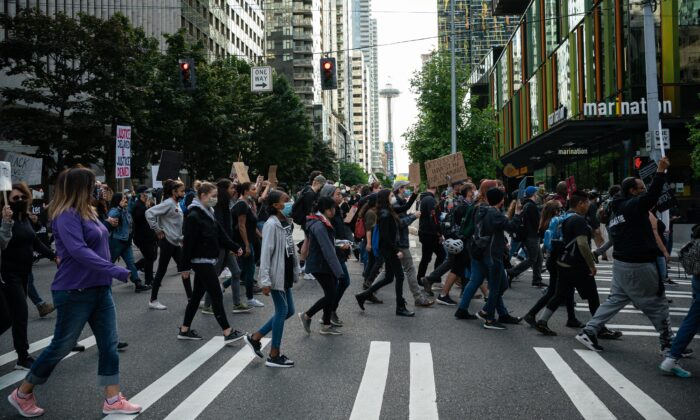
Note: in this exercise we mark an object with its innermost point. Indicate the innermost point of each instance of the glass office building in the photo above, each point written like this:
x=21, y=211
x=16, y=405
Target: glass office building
x=568, y=90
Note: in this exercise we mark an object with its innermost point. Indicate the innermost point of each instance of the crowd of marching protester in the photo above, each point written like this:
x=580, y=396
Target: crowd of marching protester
x=239, y=236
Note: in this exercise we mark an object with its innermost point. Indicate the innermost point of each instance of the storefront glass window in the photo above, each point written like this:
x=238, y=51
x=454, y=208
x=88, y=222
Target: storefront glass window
x=577, y=9
x=534, y=107
x=505, y=80
x=551, y=25
x=517, y=59
x=533, y=33
x=689, y=40
x=564, y=77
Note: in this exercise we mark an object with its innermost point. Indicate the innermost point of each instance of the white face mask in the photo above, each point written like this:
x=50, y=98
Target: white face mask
x=212, y=202
x=393, y=200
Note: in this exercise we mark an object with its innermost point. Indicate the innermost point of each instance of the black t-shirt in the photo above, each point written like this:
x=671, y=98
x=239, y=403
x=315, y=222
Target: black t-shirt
x=251, y=223
x=572, y=228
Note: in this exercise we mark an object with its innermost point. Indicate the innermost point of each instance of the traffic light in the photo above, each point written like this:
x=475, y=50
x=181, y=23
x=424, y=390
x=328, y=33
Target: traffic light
x=637, y=163
x=329, y=79
x=188, y=78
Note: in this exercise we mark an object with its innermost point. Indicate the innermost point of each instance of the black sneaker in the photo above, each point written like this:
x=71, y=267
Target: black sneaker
x=233, y=336
x=254, y=345
x=78, y=348
x=589, y=340
x=122, y=345
x=427, y=286
x=509, y=319
x=189, y=335
x=607, y=334
x=539, y=284
x=404, y=312
x=530, y=319
x=24, y=363
x=280, y=361
x=481, y=315
x=688, y=352
x=542, y=328
x=575, y=323
x=493, y=325
x=445, y=300
x=372, y=298
x=140, y=287
x=462, y=314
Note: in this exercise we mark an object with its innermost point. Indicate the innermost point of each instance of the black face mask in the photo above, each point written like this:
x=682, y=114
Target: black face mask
x=19, y=207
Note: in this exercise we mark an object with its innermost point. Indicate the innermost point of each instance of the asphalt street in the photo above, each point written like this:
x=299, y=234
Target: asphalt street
x=427, y=367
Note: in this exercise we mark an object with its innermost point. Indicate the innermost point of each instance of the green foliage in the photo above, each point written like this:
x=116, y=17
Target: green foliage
x=384, y=180
x=107, y=72
x=322, y=159
x=429, y=137
x=352, y=174
x=694, y=140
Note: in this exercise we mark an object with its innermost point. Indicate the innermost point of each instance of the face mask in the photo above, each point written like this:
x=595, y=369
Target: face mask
x=393, y=200
x=212, y=201
x=407, y=193
x=19, y=206
x=287, y=210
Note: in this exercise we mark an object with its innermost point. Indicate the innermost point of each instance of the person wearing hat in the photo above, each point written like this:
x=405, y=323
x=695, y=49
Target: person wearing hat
x=144, y=237
x=530, y=240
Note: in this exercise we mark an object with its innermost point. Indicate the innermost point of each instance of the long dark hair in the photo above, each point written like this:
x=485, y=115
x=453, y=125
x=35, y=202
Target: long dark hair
x=383, y=203
x=224, y=200
x=116, y=199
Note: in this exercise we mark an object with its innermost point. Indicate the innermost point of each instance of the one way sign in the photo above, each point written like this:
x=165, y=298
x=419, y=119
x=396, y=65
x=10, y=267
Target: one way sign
x=261, y=79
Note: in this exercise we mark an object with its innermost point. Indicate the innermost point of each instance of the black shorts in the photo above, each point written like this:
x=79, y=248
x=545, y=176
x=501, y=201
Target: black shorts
x=460, y=263
x=581, y=279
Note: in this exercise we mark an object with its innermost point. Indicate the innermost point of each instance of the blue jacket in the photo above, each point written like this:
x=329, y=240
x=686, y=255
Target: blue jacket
x=123, y=231
x=322, y=257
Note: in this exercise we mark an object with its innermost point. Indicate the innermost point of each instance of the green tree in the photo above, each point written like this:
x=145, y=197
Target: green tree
x=429, y=137
x=322, y=159
x=694, y=140
x=352, y=174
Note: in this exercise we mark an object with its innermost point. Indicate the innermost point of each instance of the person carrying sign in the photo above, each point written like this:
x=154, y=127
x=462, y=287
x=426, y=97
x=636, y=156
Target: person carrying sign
x=635, y=277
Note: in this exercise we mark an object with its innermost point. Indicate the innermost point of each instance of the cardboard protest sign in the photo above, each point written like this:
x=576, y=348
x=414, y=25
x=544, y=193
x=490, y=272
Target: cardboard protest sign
x=647, y=172
x=445, y=170
x=570, y=186
x=666, y=200
x=414, y=173
x=24, y=168
x=122, y=163
x=5, y=176
x=241, y=172
x=169, y=168
x=272, y=174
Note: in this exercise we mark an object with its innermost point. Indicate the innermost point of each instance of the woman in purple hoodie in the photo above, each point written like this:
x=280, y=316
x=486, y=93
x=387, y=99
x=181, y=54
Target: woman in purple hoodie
x=82, y=294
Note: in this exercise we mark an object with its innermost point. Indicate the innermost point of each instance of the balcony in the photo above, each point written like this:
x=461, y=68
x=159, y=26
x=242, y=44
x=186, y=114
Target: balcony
x=303, y=36
x=308, y=48
x=305, y=9
x=303, y=63
x=302, y=22
x=309, y=90
x=509, y=7
x=304, y=76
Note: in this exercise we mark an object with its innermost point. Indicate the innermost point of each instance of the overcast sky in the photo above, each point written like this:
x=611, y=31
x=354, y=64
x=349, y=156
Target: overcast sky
x=397, y=63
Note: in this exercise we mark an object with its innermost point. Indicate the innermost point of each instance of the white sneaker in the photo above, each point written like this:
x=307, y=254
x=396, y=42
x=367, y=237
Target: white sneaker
x=254, y=303
x=157, y=305
x=225, y=275
x=309, y=277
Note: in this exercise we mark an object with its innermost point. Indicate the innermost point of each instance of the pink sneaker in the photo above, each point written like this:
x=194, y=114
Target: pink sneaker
x=122, y=406
x=26, y=406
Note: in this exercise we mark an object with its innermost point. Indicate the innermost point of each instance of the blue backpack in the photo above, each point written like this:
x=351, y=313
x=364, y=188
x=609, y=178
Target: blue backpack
x=375, y=240
x=553, y=236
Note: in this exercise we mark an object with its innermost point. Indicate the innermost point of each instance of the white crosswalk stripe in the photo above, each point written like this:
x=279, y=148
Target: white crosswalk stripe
x=423, y=398
x=641, y=402
x=17, y=375
x=370, y=395
x=587, y=403
x=36, y=346
x=200, y=399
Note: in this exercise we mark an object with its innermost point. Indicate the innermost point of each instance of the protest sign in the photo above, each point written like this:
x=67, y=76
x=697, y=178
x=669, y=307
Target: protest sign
x=5, y=177
x=154, y=174
x=414, y=173
x=272, y=174
x=24, y=168
x=445, y=170
x=123, y=156
x=241, y=172
x=521, y=188
x=350, y=215
x=570, y=186
x=169, y=167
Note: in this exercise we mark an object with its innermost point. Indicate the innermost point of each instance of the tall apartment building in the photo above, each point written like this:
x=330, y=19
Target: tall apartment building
x=226, y=27
x=477, y=30
x=343, y=17
x=364, y=33
x=361, y=121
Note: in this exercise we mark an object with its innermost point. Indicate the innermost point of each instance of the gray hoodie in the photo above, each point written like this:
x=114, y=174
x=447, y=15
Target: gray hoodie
x=166, y=217
x=273, y=251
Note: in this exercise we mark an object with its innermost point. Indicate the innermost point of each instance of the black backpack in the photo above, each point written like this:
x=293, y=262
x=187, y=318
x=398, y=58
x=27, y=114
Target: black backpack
x=479, y=243
x=520, y=233
x=299, y=212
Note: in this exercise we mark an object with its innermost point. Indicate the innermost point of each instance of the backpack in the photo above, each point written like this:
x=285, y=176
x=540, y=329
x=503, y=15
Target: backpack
x=689, y=257
x=466, y=228
x=454, y=228
x=298, y=211
x=360, y=231
x=604, y=212
x=375, y=240
x=520, y=233
x=553, y=236
x=479, y=242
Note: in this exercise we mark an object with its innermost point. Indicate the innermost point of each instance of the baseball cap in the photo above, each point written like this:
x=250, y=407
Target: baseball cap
x=399, y=184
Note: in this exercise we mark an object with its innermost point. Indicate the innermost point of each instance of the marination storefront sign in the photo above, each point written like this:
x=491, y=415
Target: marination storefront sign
x=598, y=109
x=573, y=152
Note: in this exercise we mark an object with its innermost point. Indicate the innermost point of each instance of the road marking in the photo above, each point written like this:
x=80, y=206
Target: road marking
x=368, y=403
x=38, y=345
x=672, y=309
x=17, y=375
x=423, y=399
x=173, y=377
x=685, y=295
x=586, y=402
x=200, y=399
x=644, y=404
x=634, y=311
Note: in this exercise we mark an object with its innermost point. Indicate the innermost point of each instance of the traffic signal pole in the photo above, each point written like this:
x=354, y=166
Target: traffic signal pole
x=653, y=123
x=453, y=76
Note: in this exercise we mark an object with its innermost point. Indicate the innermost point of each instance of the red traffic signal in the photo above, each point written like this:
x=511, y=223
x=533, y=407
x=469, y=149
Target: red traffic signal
x=184, y=66
x=637, y=163
x=329, y=79
x=327, y=65
x=188, y=79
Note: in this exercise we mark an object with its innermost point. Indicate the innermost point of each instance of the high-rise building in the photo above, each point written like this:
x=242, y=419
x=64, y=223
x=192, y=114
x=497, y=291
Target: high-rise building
x=364, y=36
x=361, y=127
x=477, y=30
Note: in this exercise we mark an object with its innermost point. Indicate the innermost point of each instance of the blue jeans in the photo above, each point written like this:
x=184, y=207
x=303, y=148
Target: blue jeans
x=363, y=253
x=690, y=324
x=343, y=283
x=32, y=292
x=476, y=278
x=498, y=283
x=74, y=309
x=663, y=270
x=284, y=308
x=247, y=265
x=119, y=248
